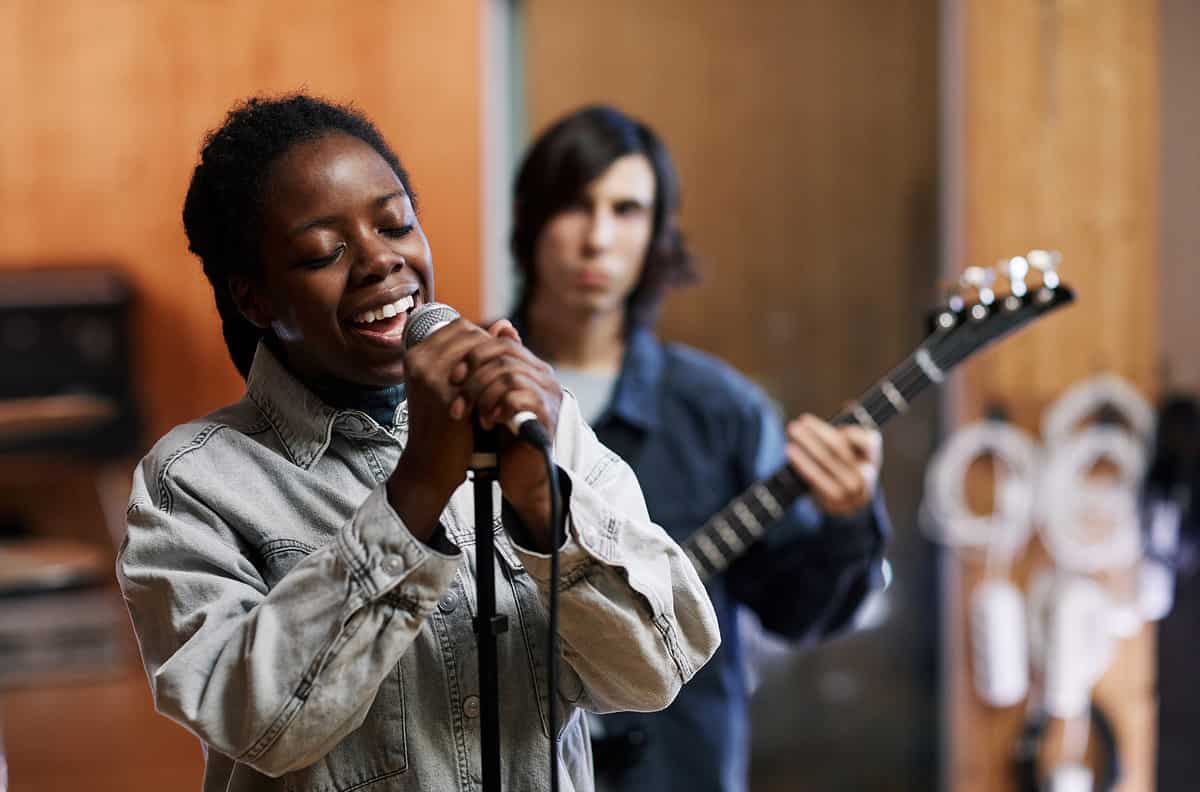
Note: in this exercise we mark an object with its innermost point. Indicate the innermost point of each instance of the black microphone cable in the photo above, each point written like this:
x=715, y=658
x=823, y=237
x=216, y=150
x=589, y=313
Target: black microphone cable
x=557, y=528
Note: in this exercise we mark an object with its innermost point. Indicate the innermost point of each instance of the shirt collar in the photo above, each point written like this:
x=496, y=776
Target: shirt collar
x=303, y=422
x=635, y=398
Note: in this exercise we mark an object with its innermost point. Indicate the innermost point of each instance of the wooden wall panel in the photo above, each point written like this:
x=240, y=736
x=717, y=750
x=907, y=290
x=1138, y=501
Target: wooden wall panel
x=106, y=105
x=805, y=134
x=1059, y=119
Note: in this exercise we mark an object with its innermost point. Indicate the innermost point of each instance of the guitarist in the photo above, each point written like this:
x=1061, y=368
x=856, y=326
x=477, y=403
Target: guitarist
x=597, y=242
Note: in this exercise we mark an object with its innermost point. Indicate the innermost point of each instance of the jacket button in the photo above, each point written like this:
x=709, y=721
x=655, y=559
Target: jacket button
x=471, y=707
x=448, y=603
x=393, y=565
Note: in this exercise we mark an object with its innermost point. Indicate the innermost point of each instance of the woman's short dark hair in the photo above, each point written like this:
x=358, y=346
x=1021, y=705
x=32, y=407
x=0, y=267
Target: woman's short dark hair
x=570, y=155
x=222, y=212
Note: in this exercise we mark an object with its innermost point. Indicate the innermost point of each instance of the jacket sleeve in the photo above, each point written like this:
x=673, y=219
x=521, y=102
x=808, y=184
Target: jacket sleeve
x=812, y=571
x=635, y=621
x=272, y=678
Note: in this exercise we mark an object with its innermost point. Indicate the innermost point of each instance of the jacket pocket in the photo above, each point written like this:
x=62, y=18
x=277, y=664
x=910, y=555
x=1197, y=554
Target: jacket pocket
x=533, y=623
x=378, y=749
x=371, y=754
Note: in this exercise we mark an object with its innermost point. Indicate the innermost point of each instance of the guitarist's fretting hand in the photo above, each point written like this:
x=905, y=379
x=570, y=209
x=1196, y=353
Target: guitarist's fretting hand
x=840, y=463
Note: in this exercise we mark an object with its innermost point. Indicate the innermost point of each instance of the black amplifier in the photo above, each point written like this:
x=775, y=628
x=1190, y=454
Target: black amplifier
x=66, y=379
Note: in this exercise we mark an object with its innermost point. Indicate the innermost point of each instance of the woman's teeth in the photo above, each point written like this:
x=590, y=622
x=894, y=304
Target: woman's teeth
x=384, y=311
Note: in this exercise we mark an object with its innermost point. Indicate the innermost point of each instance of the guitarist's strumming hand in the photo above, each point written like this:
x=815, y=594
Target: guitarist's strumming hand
x=840, y=463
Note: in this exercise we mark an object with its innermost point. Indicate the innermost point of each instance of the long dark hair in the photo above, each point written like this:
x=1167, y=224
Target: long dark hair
x=221, y=213
x=562, y=162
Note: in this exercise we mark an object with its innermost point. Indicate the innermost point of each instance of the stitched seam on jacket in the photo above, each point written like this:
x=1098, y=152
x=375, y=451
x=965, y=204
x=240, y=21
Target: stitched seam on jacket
x=278, y=546
x=668, y=634
x=601, y=467
x=300, y=695
x=197, y=442
x=355, y=567
x=525, y=634
x=268, y=412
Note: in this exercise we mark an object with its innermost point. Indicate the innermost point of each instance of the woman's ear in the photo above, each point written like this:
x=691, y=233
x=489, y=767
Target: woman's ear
x=249, y=301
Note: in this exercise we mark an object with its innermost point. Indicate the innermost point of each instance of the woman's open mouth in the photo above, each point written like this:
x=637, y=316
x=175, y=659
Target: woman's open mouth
x=385, y=322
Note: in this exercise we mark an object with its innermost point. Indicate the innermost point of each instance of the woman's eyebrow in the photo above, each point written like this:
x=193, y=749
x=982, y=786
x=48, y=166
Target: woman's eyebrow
x=328, y=220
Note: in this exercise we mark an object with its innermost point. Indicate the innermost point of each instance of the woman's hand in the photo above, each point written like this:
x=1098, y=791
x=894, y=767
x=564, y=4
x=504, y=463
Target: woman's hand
x=501, y=379
x=841, y=464
x=454, y=375
x=440, y=437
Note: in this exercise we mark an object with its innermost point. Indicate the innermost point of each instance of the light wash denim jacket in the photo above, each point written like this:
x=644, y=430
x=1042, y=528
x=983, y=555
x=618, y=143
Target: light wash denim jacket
x=288, y=618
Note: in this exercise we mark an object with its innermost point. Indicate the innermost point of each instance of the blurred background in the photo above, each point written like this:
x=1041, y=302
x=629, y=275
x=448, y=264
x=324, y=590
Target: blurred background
x=842, y=162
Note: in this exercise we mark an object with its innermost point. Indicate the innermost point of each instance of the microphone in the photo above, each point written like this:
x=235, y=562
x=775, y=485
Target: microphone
x=430, y=317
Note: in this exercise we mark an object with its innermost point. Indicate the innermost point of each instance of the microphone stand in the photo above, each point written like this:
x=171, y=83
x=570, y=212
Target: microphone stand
x=484, y=472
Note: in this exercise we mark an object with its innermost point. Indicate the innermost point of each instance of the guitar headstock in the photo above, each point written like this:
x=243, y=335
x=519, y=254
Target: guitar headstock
x=991, y=302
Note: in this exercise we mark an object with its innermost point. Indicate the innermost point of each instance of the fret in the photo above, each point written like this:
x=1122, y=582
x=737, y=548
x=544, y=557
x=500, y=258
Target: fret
x=767, y=500
x=863, y=417
x=894, y=396
x=729, y=536
x=711, y=553
x=928, y=367
x=747, y=518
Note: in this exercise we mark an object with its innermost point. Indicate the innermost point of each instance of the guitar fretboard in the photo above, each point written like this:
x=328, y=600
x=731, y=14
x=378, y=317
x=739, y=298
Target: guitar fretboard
x=733, y=530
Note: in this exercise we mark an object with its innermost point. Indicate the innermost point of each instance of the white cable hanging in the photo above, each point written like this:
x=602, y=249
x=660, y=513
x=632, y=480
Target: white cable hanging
x=997, y=615
x=1072, y=507
x=947, y=517
x=1061, y=420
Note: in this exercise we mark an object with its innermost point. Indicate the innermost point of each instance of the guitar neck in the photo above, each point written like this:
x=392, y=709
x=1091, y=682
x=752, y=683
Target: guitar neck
x=730, y=533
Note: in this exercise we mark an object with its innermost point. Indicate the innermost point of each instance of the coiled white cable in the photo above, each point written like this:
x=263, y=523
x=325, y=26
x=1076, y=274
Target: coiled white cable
x=949, y=520
x=1063, y=418
x=1089, y=525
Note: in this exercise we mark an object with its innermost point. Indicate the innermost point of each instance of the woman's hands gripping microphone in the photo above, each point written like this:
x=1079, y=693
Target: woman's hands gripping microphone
x=455, y=374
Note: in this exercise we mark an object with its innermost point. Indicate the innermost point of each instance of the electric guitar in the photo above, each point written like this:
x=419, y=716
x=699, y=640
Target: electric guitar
x=989, y=304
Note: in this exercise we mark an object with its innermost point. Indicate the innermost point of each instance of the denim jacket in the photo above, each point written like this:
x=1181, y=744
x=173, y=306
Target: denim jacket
x=288, y=618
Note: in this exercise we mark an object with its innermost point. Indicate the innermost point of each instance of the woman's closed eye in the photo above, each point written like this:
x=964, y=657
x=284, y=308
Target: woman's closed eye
x=322, y=261
x=397, y=232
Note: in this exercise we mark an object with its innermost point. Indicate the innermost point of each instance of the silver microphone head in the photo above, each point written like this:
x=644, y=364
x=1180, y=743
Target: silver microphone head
x=426, y=320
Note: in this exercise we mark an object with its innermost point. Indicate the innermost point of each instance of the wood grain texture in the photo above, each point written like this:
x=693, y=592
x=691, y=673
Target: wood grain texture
x=804, y=137
x=805, y=134
x=106, y=108
x=1061, y=129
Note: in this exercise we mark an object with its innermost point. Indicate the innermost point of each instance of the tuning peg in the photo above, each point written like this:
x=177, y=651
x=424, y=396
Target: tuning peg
x=947, y=319
x=981, y=279
x=1015, y=270
x=1047, y=262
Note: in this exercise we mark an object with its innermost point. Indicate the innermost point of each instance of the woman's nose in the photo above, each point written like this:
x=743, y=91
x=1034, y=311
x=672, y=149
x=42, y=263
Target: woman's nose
x=378, y=260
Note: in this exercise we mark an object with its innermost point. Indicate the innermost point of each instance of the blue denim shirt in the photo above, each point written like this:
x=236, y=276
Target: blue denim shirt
x=697, y=434
x=288, y=618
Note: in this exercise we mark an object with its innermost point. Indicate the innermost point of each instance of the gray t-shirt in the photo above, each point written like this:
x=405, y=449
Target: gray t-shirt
x=593, y=389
